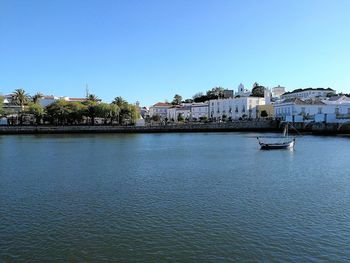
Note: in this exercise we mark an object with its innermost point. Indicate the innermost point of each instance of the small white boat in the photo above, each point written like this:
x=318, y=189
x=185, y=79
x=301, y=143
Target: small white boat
x=277, y=142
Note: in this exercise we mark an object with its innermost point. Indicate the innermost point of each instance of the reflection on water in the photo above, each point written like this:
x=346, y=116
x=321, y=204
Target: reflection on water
x=203, y=197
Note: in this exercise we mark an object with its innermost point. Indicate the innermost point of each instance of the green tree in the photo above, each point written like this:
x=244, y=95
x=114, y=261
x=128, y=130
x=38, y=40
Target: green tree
x=215, y=93
x=36, y=98
x=264, y=114
x=38, y=112
x=76, y=112
x=177, y=100
x=58, y=112
x=180, y=118
x=119, y=101
x=258, y=90
x=204, y=118
x=128, y=114
x=20, y=97
x=93, y=98
x=91, y=111
x=104, y=110
x=1, y=105
x=197, y=95
x=114, y=112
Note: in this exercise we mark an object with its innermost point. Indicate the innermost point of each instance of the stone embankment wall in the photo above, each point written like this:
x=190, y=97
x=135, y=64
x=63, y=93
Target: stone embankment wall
x=259, y=126
x=321, y=128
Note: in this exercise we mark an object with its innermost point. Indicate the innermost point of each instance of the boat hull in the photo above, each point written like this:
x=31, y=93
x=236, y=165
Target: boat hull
x=273, y=146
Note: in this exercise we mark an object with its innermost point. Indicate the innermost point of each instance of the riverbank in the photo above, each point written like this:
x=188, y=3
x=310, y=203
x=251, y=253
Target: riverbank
x=259, y=126
x=239, y=126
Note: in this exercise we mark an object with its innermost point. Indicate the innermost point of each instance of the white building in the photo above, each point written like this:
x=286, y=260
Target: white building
x=47, y=100
x=278, y=91
x=337, y=100
x=236, y=108
x=298, y=110
x=159, y=109
x=199, y=110
x=308, y=93
x=242, y=92
x=175, y=112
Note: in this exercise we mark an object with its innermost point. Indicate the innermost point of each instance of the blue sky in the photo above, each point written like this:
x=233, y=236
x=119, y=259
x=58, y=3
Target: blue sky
x=149, y=50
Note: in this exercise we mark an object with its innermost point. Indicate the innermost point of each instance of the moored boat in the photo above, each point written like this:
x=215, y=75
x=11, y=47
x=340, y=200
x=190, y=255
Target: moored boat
x=277, y=145
x=277, y=142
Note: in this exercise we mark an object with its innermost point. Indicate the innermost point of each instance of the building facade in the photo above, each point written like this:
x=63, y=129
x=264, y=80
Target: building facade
x=235, y=108
x=308, y=93
x=269, y=110
x=47, y=100
x=200, y=111
x=160, y=109
x=297, y=110
x=278, y=91
x=179, y=112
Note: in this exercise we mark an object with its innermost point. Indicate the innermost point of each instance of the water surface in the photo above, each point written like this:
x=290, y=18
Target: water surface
x=203, y=197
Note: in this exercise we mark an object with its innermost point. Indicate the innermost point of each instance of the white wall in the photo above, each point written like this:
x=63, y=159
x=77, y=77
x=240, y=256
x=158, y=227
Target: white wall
x=200, y=111
x=47, y=101
x=173, y=113
x=235, y=107
x=307, y=94
x=316, y=111
x=161, y=111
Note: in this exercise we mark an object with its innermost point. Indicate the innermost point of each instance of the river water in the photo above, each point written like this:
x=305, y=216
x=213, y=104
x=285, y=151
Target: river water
x=201, y=197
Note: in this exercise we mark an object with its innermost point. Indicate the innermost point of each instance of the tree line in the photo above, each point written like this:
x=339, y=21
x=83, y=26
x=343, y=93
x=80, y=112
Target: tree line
x=62, y=112
x=216, y=93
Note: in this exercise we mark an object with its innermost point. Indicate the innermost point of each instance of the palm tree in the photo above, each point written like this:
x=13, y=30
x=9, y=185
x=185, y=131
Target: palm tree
x=93, y=98
x=119, y=101
x=37, y=97
x=20, y=97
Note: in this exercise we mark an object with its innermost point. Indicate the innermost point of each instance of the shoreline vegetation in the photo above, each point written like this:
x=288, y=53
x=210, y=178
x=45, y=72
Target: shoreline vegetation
x=62, y=112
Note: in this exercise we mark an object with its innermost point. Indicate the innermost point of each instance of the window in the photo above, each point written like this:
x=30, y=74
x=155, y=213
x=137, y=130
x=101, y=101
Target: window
x=303, y=110
x=319, y=110
x=348, y=110
x=336, y=110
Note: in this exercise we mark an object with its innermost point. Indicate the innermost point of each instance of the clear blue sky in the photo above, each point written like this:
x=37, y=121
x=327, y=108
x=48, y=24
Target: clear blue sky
x=151, y=49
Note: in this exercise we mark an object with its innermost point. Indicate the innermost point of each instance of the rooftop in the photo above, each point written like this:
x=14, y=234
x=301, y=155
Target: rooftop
x=303, y=102
x=162, y=104
x=309, y=89
x=341, y=97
